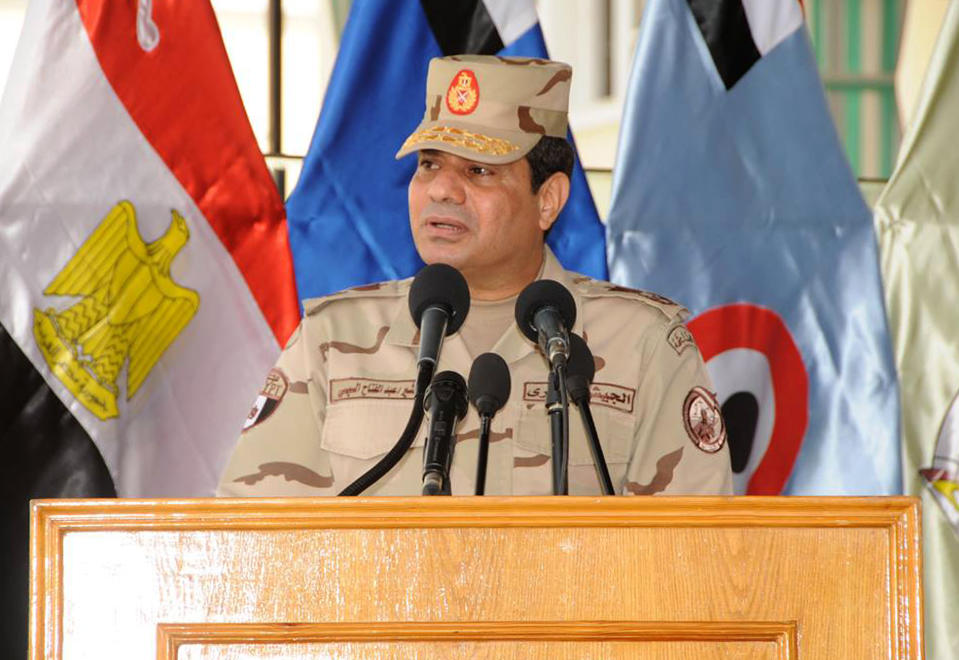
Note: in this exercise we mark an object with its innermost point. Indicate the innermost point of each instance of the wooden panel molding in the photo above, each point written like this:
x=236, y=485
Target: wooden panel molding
x=781, y=635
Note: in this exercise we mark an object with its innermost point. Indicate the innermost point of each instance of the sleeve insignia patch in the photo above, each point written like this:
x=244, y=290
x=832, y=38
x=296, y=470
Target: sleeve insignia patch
x=704, y=420
x=268, y=400
x=680, y=338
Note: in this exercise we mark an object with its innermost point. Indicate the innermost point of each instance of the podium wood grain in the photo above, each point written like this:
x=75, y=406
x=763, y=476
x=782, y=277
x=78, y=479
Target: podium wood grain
x=476, y=577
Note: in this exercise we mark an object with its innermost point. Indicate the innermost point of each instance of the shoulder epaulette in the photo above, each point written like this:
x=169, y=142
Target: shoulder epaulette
x=389, y=289
x=590, y=288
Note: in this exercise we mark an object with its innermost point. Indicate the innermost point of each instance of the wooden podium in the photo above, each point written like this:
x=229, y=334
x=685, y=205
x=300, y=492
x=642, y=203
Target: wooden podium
x=447, y=577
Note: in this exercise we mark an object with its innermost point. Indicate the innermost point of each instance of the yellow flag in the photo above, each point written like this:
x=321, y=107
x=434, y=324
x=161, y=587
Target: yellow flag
x=917, y=222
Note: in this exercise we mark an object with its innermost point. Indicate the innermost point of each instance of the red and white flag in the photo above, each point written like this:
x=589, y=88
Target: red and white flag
x=145, y=269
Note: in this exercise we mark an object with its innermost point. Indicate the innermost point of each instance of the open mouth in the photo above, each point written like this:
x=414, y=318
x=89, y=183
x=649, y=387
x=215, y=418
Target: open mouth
x=446, y=226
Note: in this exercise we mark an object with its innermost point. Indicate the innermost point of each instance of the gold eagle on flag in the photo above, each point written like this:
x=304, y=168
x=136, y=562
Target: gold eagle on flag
x=131, y=308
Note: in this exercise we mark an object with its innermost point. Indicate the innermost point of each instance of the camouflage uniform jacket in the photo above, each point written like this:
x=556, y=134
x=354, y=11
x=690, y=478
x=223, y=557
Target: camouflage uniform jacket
x=341, y=393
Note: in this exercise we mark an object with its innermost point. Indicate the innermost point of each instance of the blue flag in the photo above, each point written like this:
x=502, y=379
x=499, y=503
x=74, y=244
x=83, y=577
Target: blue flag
x=348, y=216
x=732, y=195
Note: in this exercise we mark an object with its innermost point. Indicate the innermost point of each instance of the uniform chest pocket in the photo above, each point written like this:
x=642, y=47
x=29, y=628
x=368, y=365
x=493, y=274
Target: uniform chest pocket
x=615, y=431
x=367, y=428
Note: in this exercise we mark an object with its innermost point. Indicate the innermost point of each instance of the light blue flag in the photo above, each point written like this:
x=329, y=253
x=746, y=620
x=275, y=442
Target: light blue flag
x=348, y=215
x=732, y=195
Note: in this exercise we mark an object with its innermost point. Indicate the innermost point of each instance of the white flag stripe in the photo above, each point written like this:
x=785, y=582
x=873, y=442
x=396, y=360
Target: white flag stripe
x=771, y=21
x=512, y=18
x=71, y=151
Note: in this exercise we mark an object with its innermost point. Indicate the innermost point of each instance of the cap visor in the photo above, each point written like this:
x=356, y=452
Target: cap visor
x=493, y=147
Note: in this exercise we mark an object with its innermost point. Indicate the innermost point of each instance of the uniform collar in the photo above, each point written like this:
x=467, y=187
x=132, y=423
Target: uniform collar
x=403, y=332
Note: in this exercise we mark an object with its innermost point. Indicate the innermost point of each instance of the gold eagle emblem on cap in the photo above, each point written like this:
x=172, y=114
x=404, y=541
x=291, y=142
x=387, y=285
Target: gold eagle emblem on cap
x=463, y=93
x=131, y=310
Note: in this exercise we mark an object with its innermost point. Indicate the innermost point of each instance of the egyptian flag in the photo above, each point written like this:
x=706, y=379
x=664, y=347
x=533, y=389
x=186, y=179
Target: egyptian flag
x=349, y=222
x=146, y=282
x=732, y=195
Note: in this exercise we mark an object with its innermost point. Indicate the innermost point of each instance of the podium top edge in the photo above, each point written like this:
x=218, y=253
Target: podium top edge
x=742, y=511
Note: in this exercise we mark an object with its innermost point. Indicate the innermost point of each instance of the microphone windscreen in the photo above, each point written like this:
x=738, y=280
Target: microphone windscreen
x=580, y=368
x=489, y=379
x=540, y=294
x=447, y=383
x=444, y=286
x=580, y=361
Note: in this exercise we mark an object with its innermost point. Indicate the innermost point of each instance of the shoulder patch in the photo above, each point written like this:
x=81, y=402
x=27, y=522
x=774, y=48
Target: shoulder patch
x=269, y=398
x=390, y=289
x=680, y=338
x=704, y=420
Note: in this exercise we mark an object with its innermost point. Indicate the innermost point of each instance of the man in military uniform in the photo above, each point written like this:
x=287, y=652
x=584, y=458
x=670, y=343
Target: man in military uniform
x=494, y=173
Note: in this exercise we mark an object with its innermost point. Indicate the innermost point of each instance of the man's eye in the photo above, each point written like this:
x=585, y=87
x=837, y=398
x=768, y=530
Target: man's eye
x=479, y=170
x=426, y=165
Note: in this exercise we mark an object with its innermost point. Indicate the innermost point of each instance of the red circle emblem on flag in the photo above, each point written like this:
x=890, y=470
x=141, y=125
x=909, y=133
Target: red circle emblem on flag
x=462, y=96
x=756, y=342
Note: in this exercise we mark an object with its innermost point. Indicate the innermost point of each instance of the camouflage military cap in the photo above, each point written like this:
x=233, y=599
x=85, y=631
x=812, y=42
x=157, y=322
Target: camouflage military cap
x=491, y=109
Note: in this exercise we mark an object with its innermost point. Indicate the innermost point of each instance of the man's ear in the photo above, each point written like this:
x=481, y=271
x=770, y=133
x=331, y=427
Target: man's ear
x=551, y=197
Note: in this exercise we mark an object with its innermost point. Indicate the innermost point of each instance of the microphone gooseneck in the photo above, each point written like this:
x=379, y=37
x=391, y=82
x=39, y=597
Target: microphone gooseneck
x=439, y=300
x=446, y=401
x=489, y=388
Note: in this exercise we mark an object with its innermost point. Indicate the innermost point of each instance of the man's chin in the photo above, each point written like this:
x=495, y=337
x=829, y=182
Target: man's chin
x=448, y=254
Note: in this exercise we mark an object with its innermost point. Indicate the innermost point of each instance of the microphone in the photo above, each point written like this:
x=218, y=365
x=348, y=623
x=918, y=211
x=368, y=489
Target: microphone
x=545, y=311
x=489, y=384
x=580, y=371
x=446, y=401
x=439, y=302
x=489, y=387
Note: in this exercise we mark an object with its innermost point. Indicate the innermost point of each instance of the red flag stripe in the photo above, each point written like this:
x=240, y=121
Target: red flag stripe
x=212, y=152
x=743, y=325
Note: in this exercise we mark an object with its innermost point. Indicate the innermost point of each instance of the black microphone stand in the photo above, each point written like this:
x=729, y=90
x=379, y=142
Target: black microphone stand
x=557, y=406
x=581, y=370
x=599, y=460
x=482, y=457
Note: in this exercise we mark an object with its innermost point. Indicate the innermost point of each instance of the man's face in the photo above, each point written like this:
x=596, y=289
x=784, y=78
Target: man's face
x=479, y=218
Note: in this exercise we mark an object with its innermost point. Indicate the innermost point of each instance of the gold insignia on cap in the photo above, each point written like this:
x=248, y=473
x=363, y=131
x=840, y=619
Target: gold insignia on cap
x=463, y=93
x=457, y=137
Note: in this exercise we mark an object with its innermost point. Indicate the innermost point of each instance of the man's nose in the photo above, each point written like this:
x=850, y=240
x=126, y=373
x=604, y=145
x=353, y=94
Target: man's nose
x=447, y=185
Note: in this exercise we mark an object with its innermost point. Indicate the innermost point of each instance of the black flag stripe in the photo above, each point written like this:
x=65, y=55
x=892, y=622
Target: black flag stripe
x=724, y=26
x=462, y=26
x=45, y=453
